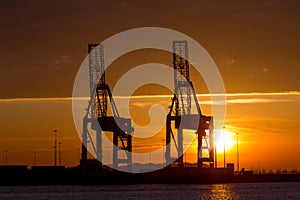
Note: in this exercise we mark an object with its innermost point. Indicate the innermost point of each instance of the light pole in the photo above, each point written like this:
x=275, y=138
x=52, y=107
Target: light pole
x=216, y=156
x=224, y=145
x=59, y=154
x=55, y=146
x=237, y=152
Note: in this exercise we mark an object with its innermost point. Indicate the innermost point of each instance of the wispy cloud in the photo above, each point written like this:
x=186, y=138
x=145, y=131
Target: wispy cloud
x=63, y=60
x=35, y=99
x=228, y=95
x=287, y=93
x=34, y=138
x=256, y=100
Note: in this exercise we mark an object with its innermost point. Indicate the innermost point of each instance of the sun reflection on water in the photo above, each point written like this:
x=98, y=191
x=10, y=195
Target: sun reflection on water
x=222, y=191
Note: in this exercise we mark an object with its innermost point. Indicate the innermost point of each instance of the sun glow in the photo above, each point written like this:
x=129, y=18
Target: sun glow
x=228, y=137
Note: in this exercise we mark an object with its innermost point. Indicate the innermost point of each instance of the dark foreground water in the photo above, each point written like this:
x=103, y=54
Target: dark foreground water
x=210, y=191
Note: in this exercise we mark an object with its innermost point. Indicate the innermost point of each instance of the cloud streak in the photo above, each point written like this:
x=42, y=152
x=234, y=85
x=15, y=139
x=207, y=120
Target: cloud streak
x=234, y=98
x=246, y=101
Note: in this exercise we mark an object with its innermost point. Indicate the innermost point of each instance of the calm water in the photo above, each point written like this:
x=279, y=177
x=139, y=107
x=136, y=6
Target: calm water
x=214, y=191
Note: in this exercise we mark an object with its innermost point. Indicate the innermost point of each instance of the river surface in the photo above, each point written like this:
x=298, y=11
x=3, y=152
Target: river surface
x=156, y=191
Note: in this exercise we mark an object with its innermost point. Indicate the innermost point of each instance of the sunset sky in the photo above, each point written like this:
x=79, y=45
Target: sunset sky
x=255, y=45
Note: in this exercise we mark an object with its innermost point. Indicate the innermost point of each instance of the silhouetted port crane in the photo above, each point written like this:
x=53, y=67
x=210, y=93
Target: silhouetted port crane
x=180, y=112
x=97, y=114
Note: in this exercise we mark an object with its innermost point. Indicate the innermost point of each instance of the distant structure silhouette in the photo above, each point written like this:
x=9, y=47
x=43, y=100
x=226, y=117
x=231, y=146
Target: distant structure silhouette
x=180, y=111
x=55, y=147
x=97, y=115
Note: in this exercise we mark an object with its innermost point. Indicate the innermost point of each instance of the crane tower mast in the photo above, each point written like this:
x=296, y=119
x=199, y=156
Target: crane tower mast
x=97, y=78
x=98, y=119
x=180, y=110
x=182, y=76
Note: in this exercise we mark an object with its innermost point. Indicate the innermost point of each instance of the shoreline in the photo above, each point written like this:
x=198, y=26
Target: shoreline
x=50, y=175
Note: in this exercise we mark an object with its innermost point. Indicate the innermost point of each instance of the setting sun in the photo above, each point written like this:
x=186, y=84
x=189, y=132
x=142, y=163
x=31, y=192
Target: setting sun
x=230, y=140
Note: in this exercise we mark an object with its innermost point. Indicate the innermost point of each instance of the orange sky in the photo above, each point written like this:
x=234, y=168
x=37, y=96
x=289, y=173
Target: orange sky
x=267, y=123
x=255, y=45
